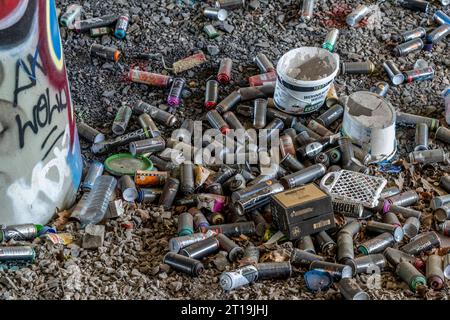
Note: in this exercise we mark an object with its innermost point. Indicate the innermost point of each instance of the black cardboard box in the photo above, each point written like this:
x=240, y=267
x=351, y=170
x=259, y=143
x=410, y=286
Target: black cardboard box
x=302, y=211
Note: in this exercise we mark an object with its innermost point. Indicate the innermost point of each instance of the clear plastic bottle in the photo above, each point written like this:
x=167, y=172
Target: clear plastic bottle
x=98, y=200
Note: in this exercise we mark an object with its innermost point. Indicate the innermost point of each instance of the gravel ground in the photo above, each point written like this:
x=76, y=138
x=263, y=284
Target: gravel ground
x=129, y=265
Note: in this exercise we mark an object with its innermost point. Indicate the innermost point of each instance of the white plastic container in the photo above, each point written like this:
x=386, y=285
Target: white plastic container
x=370, y=120
x=304, y=96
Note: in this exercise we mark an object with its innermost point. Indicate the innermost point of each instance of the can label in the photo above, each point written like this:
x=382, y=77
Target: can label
x=150, y=178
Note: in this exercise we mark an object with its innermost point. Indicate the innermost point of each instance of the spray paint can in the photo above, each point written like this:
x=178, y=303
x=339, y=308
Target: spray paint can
x=157, y=114
x=230, y=4
x=97, y=22
x=438, y=34
x=395, y=256
x=229, y=102
x=199, y=218
x=440, y=201
x=331, y=115
x=444, y=228
x=121, y=120
x=434, y=272
x=215, y=14
x=107, y=53
x=149, y=78
x=216, y=218
x=184, y=264
x=128, y=188
x=404, y=199
x=121, y=27
x=421, y=137
x=408, y=47
x=178, y=243
x=416, y=5
x=217, y=122
x=391, y=218
x=303, y=176
x=380, y=227
x=147, y=146
x=337, y=271
x=441, y=18
x=381, y=88
x=234, y=229
x=307, y=10
x=366, y=264
x=306, y=243
x=148, y=195
x=262, y=79
x=187, y=178
x=393, y=72
x=408, y=273
x=291, y=163
x=405, y=212
x=441, y=214
x=260, y=223
x=348, y=208
x=350, y=290
x=257, y=200
x=201, y=249
x=185, y=224
x=233, y=121
x=318, y=128
x=274, y=270
x=325, y=243
x=411, y=227
x=224, y=73
x=412, y=119
x=299, y=127
x=98, y=32
x=357, y=15
x=251, y=190
x=235, y=183
x=419, y=74
x=322, y=158
x=444, y=182
x=287, y=146
x=174, y=97
x=367, y=67
x=235, y=252
x=443, y=134
x=447, y=266
x=377, y=244
x=20, y=232
x=345, y=251
x=16, y=254
x=72, y=12
x=95, y=171
x=211, y=31
x=331, y=39
x=413, y=34
x=274, y=126
x=428, y=156
x=263, y=63
x=259, y=113
x=235, y=279
x=149, y=126
x=169, y=193
x=211, y=94
x=302, y=257
x=423, y=242
x=90, y=134
x=150, y=178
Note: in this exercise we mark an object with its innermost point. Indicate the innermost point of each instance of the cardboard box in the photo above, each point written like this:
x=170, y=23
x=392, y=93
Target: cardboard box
x=302, y=211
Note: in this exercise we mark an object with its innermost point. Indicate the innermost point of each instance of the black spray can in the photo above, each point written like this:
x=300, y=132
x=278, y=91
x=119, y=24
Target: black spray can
x=169, y=193
x=184, y=264
x=201, y=249
x=421, y=243
x=235, y=252
x=274, y=270
x=302, y=257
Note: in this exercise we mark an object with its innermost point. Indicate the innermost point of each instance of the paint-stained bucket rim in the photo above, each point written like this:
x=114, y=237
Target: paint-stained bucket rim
x=147, y=164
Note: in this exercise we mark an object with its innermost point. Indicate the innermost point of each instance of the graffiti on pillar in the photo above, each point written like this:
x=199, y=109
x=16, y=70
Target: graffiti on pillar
x=40, y=162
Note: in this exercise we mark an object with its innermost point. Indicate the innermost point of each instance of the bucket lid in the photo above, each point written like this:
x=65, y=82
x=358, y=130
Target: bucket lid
x=126, y=164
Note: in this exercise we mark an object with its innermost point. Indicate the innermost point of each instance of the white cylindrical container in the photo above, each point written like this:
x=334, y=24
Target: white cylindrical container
x=304, y=77
x=370, y=120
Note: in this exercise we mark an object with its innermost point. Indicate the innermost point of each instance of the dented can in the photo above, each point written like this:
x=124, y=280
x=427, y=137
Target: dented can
x=224, y=73
x=421, y=243
x=149, y=78
x=121, y=120
x=20, y=232
x=434, y=272
x=377, y=244
x=184, y=264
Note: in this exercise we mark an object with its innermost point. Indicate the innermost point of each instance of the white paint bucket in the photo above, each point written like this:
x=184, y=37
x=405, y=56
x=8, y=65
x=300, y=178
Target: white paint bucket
x=296, y=94
x=369, y=120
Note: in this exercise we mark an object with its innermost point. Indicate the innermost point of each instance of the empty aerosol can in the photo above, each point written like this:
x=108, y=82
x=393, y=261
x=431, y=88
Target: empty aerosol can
x=128, y=188
x=381, y=88
x=408, y=273
x=108, y=53
x=417, y=33
x=263, y=63
x=169, y=193
x=404, y=199
x=98, y=32
x=302, y=257
x=350, y=290
x=421, y=137
x=147, y=145
x=440, y=201
x=423, y=242
x=217, y=122
x=438, y=34
x=211, y=94
x=185, y=224
x=394, y=73
x=331, y=39
x=234, y=229
x=303, y=176
x=408, y=47
x=251, y=255
x=307, y=10
x=345, y=250
x=72, y=12
x=20, y=232
x=422, y=74
x=15, y=254
x=184, y=264
x=178, y=243
x=174, y=97
x=366, y=264
x=147, y=123
x=274, y=270
x=235, y=252
x=216, y=13
x=224, y=73
x=395, y=256
x=447, y=266
x=411, y=227
x=381, y=227
x=441, y=18
x=357, y=15
x=442, y=214
x=337, y=271
x=325, y=243
x=201, y=249
x=377, y=244
x=428, y=156
x=434, y=272
x=259, y=113
x=121, y=120
x=121, y=27
x=331, y=115
x=416, y=5
x=96, y=22
x=306, y=243
x=149, y=78
x=157, y=114
x=90, y=134
x=234, y=279
x=230, y=4
x=229, y=102
x=367, y=67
